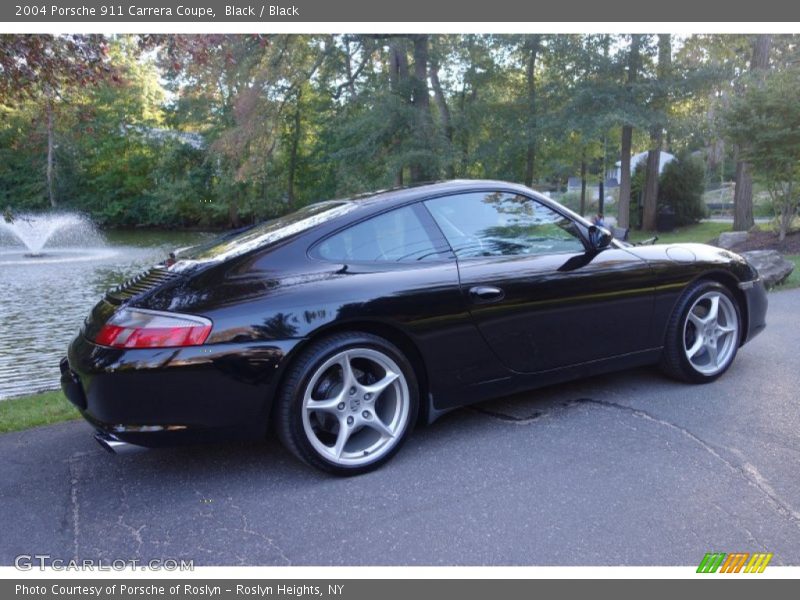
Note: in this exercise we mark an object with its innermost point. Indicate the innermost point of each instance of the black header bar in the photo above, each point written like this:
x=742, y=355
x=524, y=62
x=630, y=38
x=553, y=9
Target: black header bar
x=443, y=11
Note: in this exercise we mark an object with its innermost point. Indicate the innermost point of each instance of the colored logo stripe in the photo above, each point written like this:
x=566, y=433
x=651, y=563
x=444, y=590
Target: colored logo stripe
x=758, y=562
x=733, y=563
x=711, y=562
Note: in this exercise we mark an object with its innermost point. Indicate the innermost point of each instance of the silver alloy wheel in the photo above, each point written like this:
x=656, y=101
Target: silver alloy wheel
x=356, y=407
x=711, y=333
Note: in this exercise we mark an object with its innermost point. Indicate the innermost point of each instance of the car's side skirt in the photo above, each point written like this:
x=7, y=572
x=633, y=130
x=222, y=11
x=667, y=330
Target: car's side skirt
x=521, y=382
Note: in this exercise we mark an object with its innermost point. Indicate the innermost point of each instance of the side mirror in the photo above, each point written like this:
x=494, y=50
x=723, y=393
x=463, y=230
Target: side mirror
x=599, y=237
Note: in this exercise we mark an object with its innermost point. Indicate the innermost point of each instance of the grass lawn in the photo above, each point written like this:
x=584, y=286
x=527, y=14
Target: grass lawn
x=701, y=232
x=793, y=281
x=34, y=410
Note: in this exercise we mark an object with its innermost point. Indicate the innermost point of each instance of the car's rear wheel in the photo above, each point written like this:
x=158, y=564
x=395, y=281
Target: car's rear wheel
x=347, y=403
x=703, y=333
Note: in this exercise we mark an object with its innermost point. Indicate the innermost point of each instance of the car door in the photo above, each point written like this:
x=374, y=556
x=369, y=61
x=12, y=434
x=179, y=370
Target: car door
x=396, y=268
x=541, y=299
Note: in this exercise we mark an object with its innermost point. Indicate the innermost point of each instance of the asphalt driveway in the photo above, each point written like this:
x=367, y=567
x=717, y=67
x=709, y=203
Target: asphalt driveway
x=630, y=469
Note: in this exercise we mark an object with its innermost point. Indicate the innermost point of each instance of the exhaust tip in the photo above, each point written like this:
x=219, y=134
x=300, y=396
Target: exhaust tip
x=113, y=444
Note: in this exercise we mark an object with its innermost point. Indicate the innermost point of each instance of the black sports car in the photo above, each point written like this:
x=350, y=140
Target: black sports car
x=347, y=322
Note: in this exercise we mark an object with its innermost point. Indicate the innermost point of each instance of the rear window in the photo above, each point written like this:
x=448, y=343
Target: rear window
x=263, y=234
x=396, y=236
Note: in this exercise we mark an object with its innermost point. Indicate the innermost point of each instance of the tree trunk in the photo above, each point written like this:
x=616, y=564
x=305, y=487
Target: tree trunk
x=603, y=171
x=462, y=134
x=601, y=197
x=743, y=198
x=532, y=45
x=420, y=169
x=650, y=197
x=233, y=211
x=398, y=79
x=743, y=190
x=650, y=192
x=444, y=114
x=293, y=152
x=398, y=67
x=51, y=188
x=583, y=182
x=787, y=210
x=761, y=46
x=624, y=204
x=351, y=86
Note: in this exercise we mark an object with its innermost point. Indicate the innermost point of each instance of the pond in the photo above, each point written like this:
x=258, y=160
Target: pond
x=44, y=299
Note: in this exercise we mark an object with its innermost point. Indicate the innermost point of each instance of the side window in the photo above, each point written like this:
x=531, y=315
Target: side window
x=503, y=224
x=395, y=236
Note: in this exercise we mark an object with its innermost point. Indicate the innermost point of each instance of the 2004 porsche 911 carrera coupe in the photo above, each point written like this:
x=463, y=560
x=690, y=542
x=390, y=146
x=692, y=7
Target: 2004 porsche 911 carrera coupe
x=344, y=324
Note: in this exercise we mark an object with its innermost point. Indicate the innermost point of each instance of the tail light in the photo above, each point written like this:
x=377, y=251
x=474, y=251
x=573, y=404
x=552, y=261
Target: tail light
x=141, y=328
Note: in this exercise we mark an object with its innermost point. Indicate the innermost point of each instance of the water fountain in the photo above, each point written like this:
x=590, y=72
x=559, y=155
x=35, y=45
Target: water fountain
x=53, y=268
x=54, y=236
x=49, y=265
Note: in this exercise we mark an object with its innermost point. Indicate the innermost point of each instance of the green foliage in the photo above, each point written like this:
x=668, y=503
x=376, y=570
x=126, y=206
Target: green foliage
x=572, y=200
x=25, y=412
x=22, y=159
x=223, y=130
x=765, y=122
x=680, y=187
x=793, y=281
x=182, y=194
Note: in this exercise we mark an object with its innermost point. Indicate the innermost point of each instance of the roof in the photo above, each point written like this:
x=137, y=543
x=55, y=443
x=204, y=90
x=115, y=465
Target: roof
x=401, y=195
x=664, y=159
x=384, y=200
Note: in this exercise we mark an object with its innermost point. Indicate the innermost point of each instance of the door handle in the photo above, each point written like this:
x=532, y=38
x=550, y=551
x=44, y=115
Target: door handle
x=484, y=294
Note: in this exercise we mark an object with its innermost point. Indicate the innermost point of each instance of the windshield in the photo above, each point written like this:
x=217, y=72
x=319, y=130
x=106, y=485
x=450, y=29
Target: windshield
x=261, y=235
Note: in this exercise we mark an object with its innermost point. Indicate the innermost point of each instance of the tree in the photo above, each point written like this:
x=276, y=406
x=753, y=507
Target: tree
x=532, y=46
x=42, y=68
x=276, y=121
x=743, y=193
x=709, y=70
x=442, y=106
x=766, y=128
x=659, y=106
x=582, y=79
x=421, y=167
x=623, y=206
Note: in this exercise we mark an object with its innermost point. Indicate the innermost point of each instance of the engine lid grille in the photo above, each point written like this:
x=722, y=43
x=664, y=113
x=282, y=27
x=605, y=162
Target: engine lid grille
x=139, y=284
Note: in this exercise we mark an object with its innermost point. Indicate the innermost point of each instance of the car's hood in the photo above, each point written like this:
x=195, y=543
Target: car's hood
x=691, y=253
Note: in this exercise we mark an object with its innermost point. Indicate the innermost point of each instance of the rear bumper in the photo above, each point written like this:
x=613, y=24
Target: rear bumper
x=756, y=300
x=154, y=397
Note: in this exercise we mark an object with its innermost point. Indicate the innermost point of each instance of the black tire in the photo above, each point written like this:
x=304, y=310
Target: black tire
x=309, y=369
x=681, y=336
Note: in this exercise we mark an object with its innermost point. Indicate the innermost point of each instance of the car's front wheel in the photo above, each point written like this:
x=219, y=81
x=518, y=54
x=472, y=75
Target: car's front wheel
x=703, y=333
x=347, y=403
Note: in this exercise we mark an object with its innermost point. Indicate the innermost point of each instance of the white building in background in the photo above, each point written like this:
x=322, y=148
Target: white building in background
x=160, y=134
x=616, y=172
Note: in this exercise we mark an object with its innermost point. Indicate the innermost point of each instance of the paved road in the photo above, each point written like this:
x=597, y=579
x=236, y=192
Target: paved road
x=627, y=469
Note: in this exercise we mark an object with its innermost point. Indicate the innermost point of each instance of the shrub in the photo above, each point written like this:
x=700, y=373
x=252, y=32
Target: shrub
x=572, y=200
x=681, y=188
